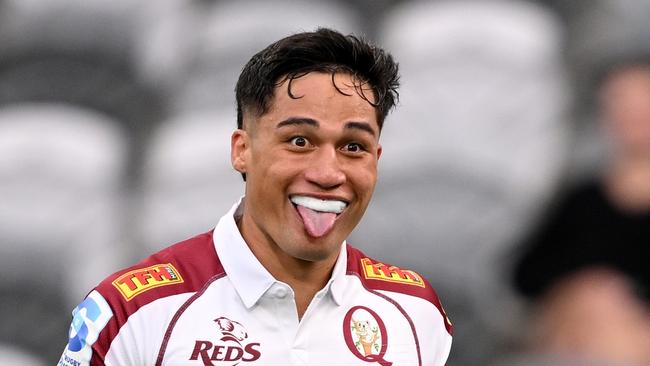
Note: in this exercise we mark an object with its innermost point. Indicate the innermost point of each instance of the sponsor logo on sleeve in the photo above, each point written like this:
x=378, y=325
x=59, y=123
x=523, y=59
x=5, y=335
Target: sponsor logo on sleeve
x=383, y=272
x=365, y=335
x=232, y=348
x=89, y=318
x=133, y=283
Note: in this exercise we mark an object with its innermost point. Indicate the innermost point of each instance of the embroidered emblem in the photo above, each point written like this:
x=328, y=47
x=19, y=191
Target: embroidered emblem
x=365, y=335
x=133, y=283
x=383, y=272
x=231, y=350
x=231, y=330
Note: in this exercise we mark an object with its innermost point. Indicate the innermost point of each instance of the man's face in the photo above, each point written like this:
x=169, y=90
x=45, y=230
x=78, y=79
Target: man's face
x=311, y=167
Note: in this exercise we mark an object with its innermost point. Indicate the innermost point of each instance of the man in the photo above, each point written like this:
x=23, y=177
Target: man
x=275, y=282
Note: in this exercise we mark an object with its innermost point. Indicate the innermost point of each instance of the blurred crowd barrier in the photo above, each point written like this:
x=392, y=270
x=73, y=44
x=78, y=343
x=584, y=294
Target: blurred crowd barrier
x=115, y=122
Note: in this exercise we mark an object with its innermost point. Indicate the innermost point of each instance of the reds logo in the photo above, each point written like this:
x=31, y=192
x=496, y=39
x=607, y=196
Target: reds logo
x=231, y=330
x=234, y=351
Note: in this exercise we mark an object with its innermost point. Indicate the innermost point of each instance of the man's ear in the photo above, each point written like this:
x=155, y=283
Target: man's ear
x=239, y=145
x=379, y=150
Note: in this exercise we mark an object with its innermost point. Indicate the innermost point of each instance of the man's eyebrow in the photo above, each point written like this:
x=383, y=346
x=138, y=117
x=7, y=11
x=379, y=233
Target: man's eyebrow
x=361, y=126
x=297, y=121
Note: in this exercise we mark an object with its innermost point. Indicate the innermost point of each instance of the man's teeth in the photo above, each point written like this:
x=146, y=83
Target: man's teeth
x=316, y=204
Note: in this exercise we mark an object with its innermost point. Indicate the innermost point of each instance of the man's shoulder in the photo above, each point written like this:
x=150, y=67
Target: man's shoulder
x=377, y=275
x=184, y=267
x=161, y=283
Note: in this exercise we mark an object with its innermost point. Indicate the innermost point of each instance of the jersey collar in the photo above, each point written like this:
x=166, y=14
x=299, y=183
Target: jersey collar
x=250, y=279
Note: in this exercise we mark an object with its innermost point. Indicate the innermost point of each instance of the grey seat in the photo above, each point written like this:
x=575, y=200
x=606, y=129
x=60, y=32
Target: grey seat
x=188, y=181
x=79, y=52
x=61, y=178
x=231, y=32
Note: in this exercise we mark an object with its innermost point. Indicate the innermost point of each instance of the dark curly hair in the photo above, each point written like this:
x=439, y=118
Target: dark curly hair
x=324, y=50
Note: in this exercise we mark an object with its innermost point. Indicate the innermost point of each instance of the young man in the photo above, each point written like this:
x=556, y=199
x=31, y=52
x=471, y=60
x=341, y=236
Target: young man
x=275, y=282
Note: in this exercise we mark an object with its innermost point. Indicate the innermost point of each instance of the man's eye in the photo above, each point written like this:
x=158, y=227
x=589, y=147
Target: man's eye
x=299, y=141
x=353, y=147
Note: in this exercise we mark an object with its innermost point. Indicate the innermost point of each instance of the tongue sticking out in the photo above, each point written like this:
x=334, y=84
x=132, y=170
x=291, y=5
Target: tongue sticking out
x=316, y=223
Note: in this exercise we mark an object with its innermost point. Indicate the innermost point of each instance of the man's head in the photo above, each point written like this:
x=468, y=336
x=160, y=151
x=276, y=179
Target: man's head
x=324, y=51
x=310, y=111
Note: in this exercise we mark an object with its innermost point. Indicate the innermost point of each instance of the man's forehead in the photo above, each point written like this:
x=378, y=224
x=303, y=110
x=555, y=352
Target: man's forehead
x=341, y=82
x=316, y=91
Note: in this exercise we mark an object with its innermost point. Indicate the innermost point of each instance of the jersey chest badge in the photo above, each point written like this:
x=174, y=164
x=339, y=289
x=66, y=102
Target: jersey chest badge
x=365, y=335
x=233, y=346
x=135, y=282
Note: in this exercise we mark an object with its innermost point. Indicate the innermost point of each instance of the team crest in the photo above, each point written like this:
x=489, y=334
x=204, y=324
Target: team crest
x=231, y=348
x=231, y=330
x=365, y=335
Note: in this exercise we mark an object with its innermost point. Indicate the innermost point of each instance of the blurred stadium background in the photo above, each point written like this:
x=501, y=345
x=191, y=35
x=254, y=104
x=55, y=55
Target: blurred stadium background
x=115, y=119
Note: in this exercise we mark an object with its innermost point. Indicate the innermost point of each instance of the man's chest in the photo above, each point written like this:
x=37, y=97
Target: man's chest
x=217, y=329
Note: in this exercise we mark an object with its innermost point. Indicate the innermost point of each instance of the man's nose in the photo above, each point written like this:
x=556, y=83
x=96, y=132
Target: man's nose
x=325, y=169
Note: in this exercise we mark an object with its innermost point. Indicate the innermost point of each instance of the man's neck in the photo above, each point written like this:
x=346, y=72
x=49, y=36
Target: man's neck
x=304, y=282
x=306, y=278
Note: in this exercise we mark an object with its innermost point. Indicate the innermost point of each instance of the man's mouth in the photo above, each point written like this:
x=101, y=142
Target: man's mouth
x=318, y=215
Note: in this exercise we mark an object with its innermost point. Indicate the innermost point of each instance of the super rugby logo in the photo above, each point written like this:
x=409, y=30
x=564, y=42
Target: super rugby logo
x=135, y=282
x=365, y=335
x=89, y=318
x=383, y=272
x=233, y=351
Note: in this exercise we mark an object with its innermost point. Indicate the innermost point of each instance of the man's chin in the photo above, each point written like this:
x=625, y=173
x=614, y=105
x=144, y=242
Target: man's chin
x=318, y=249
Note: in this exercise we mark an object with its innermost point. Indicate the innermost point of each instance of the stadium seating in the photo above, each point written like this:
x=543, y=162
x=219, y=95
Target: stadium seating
x=9, y=355
x=61, y=174
x=225, y=43
x=79, y=52
x=188, y=181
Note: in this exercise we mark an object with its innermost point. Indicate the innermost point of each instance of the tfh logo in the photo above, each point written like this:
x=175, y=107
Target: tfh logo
x=233, y=350
x=135, y=282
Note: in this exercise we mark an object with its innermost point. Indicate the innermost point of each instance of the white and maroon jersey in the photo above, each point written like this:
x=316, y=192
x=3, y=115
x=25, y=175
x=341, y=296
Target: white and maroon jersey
x=209, y=301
